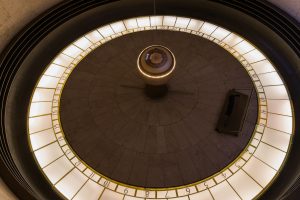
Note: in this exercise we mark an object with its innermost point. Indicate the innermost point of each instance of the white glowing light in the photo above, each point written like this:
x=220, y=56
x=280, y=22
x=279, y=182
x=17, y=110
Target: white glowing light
x=245, y=178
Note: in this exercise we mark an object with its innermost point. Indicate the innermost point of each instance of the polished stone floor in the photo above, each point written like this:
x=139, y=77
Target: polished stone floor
x=120, y=132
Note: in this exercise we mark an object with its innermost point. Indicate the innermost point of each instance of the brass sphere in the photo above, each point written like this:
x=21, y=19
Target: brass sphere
x=156, y=64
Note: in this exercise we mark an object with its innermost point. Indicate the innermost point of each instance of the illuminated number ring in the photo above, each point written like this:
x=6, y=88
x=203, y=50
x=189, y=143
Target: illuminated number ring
x=247, y=177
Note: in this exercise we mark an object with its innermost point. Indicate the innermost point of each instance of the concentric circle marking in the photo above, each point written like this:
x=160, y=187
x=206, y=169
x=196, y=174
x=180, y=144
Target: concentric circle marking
x=245, y=178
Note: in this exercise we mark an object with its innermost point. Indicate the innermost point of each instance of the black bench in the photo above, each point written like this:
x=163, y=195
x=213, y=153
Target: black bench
x=233, y=113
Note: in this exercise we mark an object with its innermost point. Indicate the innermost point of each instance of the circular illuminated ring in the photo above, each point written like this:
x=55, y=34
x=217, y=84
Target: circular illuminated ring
x=247, y=177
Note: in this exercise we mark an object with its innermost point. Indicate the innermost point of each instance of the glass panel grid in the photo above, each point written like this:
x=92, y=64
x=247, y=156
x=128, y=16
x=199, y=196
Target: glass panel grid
x=60, y=156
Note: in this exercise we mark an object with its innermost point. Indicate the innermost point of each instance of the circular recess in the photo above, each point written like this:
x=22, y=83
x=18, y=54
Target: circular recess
x=132, y=138
x=245, y=178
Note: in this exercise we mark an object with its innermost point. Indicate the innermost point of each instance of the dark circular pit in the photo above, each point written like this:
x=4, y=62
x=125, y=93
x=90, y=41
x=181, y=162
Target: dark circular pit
x=156, y=91
x=132, y=138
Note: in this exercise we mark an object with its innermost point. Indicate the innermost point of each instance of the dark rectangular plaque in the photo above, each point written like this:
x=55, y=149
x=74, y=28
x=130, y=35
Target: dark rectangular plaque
x=233, y=113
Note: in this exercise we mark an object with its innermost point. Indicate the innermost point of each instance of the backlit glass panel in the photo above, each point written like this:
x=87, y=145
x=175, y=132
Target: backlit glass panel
x=245, y=178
